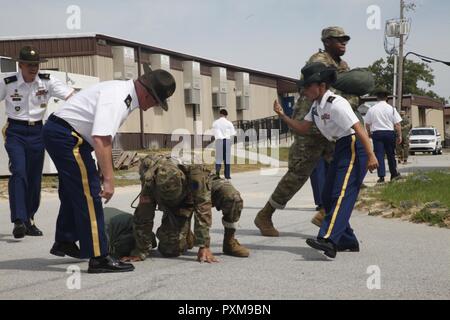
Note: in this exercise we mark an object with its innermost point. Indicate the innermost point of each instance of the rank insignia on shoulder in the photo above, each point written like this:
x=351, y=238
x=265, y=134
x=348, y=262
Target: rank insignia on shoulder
x=44, y=76
x=128, y=101
x=331, y=99
x=314, y=111
x=11, y=79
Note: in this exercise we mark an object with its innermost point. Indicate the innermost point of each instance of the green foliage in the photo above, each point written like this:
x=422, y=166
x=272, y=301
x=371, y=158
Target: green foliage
x=419, y=189
x=432, y=218
x=414, y=72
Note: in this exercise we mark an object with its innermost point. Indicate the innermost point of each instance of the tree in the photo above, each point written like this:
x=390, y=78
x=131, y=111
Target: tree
x=383, y=70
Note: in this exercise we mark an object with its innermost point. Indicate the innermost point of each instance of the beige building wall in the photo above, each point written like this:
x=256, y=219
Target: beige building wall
x=435, y=118
x=261, y=102
x=96, y=66
x=103, y=68
x=179, y=115
x=415, y=121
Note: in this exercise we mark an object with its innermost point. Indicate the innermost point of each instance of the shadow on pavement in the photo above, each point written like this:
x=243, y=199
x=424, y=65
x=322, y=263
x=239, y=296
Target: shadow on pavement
x=9, y=238
x=287, y=208
x=38, y=264
x=255, y=232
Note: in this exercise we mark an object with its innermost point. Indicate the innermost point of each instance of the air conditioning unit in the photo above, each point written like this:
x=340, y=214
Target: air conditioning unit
x=191, y=76
x=160, y=61
x=219, y=87
x=8, y=65
x=191, y=96
x=219, y=100
x=124, y=65
x=242, y=103
x=242, y=90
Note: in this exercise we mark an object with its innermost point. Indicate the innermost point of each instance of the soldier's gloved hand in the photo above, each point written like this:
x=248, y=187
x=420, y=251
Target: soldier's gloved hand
x=131, y=259
x=205, y=255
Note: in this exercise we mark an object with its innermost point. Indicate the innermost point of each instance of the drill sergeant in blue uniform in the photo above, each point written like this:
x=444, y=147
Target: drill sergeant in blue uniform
x=26, y=94
x=335, y=119
x=88, y=122
x=381, y=121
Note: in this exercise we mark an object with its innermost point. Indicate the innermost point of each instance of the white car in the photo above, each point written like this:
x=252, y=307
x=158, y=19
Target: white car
x=426, y=139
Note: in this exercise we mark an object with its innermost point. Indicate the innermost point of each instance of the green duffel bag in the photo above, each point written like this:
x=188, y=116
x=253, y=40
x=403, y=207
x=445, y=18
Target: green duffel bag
x=119, y=231
x=358, y=82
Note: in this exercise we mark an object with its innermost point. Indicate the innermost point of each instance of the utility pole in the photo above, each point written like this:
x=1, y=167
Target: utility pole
x=400, y=61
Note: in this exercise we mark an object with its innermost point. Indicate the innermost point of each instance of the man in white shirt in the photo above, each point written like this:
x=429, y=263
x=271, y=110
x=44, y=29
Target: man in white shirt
x=88, y=122
x=353, y=155
x=26, y=94
x=223, y=131
x=381, y=120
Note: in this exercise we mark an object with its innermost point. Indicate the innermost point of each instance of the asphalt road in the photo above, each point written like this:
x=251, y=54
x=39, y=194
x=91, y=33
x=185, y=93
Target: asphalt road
x=412, y=261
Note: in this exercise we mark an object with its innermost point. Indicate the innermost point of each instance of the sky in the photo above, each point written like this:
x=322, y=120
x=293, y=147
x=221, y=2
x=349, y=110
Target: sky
x=275, y=36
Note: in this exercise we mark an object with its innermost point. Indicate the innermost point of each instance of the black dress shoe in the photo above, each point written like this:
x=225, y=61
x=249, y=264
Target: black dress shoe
x=62, y=249
x=19, y=230
x=380, y=180
x=328, y=248
x=34, y=231
x=350, y=248
x=108, y=264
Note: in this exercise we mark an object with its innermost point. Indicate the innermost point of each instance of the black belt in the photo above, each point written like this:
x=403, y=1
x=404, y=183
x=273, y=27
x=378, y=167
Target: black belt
x=61, y=122
x=25, y=123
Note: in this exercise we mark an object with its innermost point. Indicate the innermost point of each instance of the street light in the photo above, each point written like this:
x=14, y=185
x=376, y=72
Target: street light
x=427, y=59
x=423, y=58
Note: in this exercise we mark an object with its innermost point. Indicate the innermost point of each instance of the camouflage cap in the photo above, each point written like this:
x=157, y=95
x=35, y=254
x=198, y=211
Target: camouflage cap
x=334, y=32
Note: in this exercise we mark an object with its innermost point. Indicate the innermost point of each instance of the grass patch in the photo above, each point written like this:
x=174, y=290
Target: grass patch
x=421, y=188
x=433, y=218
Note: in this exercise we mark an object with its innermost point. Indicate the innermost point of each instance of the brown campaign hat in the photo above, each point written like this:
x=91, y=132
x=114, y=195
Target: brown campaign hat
x=159, y=83
x=29, y=54
x=316, y=72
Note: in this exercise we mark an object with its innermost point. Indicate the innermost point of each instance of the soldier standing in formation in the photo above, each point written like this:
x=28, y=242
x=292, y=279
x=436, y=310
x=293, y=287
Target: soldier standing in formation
x=403, y=147
x=307, y=150
x=182, y=191
x=383, y=125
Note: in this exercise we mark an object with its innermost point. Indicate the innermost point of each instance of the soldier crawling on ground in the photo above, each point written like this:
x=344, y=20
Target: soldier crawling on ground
x=180, y=191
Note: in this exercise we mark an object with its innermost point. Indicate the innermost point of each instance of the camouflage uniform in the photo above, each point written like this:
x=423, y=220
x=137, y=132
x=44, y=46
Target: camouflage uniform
x=403, y=148
x=306, y=150
x=304, y=153
x=191, y=190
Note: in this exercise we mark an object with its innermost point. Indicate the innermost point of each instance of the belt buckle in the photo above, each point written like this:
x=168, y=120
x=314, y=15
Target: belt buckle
x=31, y=123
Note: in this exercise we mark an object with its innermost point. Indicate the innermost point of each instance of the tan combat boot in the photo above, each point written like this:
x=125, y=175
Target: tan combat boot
x=232, y=247
x=318, y=218
x=264, y=222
